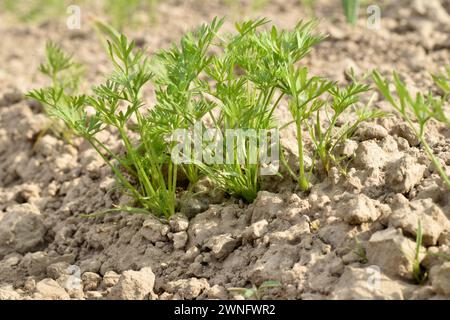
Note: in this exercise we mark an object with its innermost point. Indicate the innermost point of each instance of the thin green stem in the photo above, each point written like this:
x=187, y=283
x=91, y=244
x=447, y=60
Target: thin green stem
x=429, y=152
x=287, y=166
x=277, y=102
x=303, y=180
x=436, y=163
x=117, y=172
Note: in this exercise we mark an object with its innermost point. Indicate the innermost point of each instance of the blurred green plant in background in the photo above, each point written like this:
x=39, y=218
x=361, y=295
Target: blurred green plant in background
x=309, y=5
x=136, y=13
x=34, y=10
x=351, y=9
x=126, y=12
x=120, y=13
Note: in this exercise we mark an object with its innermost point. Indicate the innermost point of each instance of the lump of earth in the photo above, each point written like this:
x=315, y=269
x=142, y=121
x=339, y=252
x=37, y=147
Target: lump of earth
x=222, y=245
x=440, y=278
x=191, y=206
x=266, y=206
x=91, y=281
x=403, y=174
x=110, y=279
x=180, y=239
x=368, y=131
x=49, y=289
x=392, y=252
x=358, y=209
x=186, y=288
x=153, y=230
x=405, y=132
x=369, y=155
x=11, y=97
x=255, y=230
x=8, y=293
x=366, y=284
x=406, y=215
x=134, y=285
x=179, y=223
x=21, y=229
x=273, y=264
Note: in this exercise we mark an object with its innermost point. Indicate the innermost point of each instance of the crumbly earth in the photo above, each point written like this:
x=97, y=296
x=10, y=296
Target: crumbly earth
x=351, y=237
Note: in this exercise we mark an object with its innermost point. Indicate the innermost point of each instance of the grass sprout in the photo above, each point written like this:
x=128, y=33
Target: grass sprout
x=309, y=5
x=419, y=275
x=304, y=93
x=351, y=8
x=416, y=111
x=257, y=70
x=34, y=11
x=443, y=81
x=124, y=12
x=256, y=292
x=360, y=251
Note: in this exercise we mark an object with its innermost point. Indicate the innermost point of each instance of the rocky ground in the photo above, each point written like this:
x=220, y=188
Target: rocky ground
x=326, y=244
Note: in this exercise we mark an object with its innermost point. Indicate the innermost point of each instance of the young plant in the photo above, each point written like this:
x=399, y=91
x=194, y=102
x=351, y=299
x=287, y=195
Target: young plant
x=65, y=75
x=256, y=71
x=123, y=12
x=418, y=109
x=256, y=292
x=234, y=87
x=258, y=68
x=146, y=171
x=360, y=251
x=181, y=91
x=305, y=101
x=34, y=11
x=309, y=5
x=419, y=275
x=269, y=59
x=63, y=71
x=308, y=96
x=342, y=100
x=245, y=109
x=443, y=82
x=351, y=9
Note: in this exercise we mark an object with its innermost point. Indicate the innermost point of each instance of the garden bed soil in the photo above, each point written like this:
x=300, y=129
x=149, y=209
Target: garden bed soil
x=328, y=243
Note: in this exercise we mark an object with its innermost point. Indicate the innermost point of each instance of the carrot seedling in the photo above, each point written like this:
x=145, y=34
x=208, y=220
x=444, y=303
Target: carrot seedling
x=419, y=109
x=256, y=292
x=351, y=9
x=419, y=275
x=118, y=105
x=244, y=93
x=124, y=13
x=443, y=81
x=227, y=86
x=64, y=74
x=327, y=138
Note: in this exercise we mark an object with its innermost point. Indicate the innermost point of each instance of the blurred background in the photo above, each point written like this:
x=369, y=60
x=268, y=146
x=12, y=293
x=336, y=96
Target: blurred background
x=125, y=14
x=411, y=35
